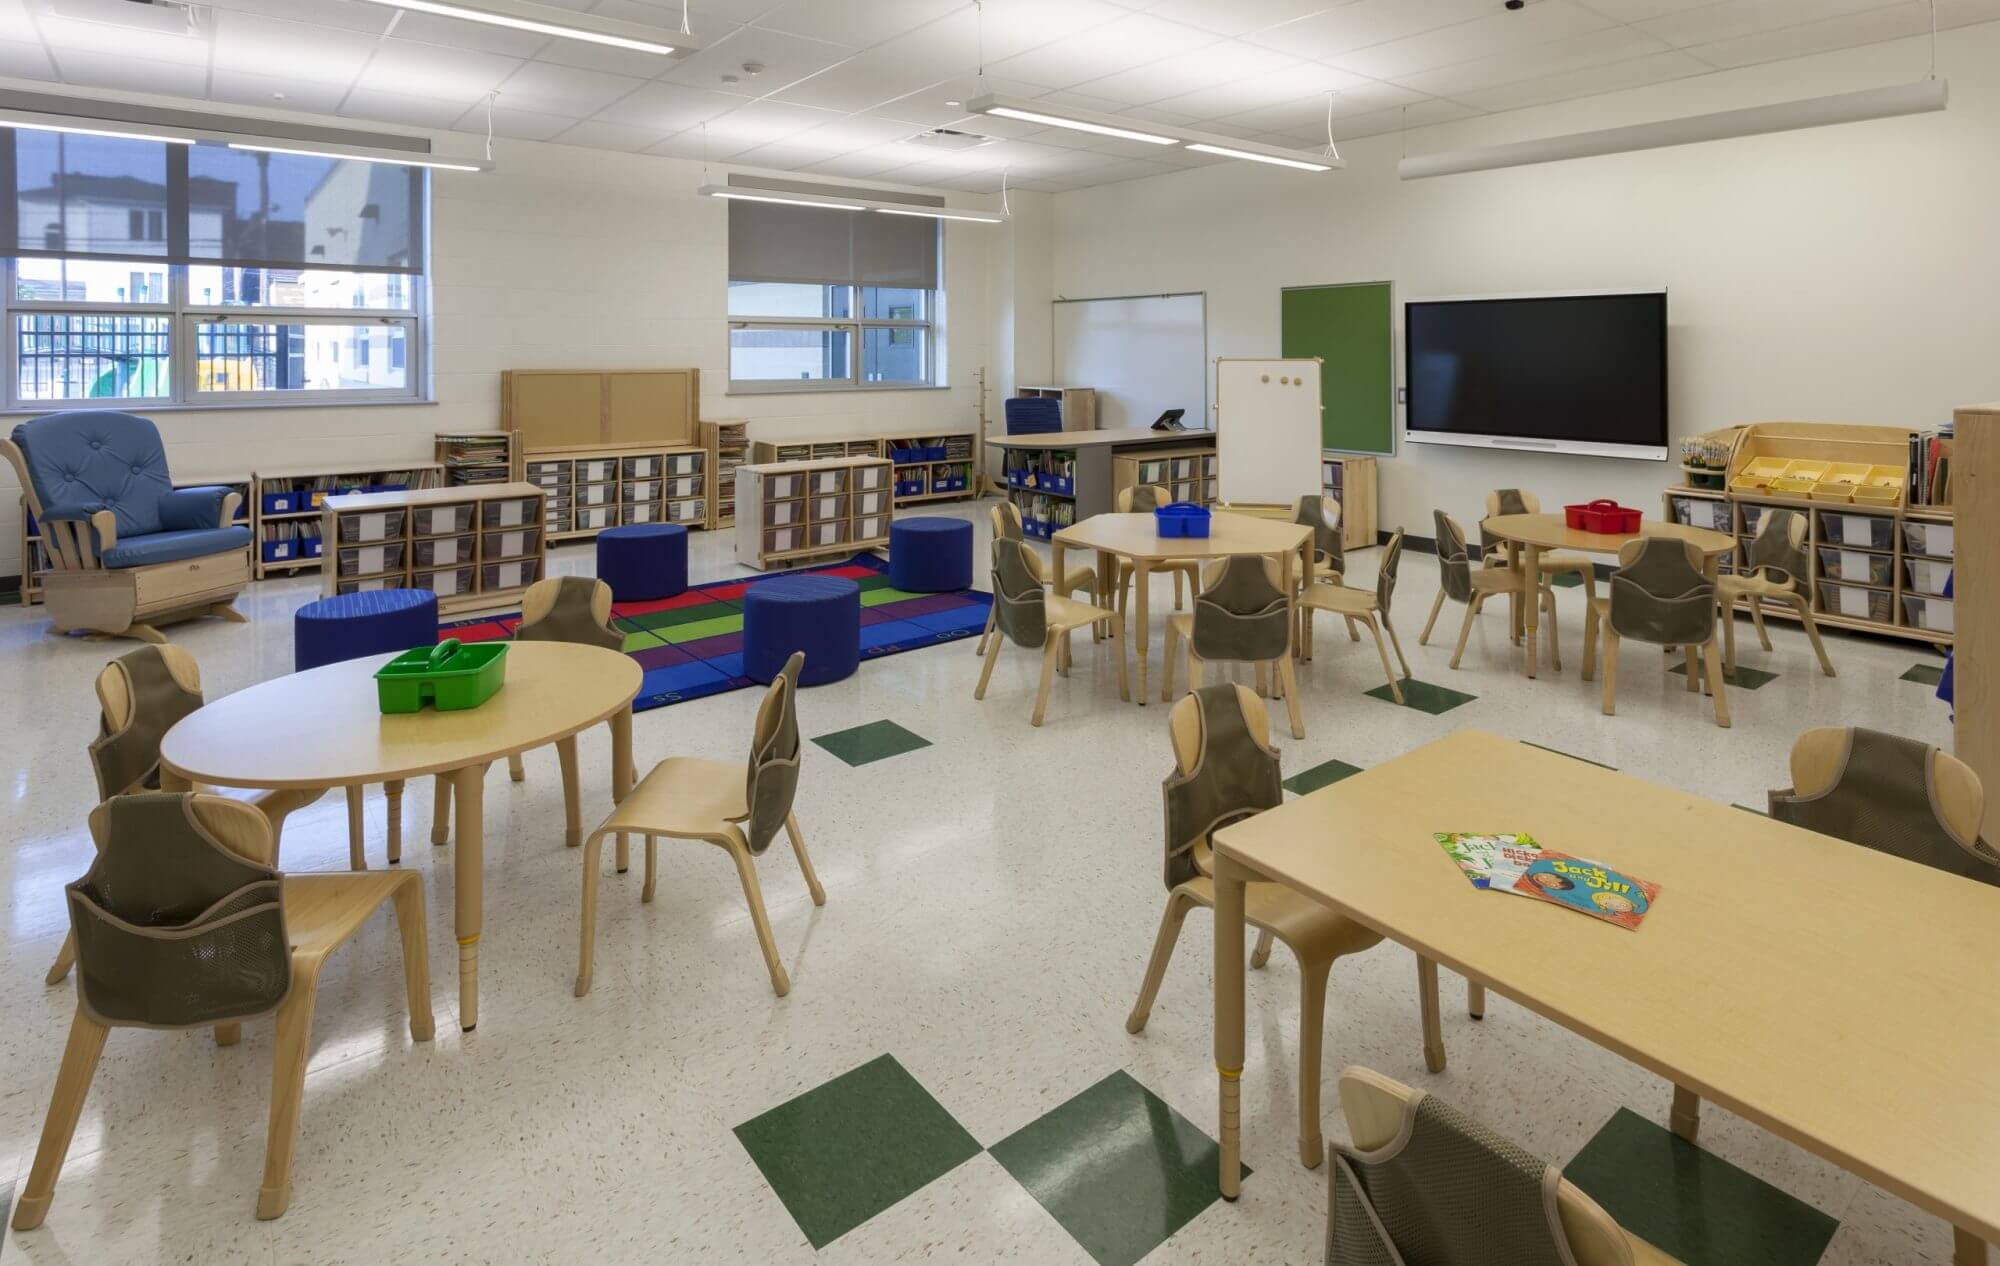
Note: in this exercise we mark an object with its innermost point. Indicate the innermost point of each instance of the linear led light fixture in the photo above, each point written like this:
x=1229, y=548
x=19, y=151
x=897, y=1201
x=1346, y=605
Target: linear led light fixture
x=1922, y=97
x=520, y=15
x=116, y=129
x=1121, y=128
x=794, y=199
x=359, y=155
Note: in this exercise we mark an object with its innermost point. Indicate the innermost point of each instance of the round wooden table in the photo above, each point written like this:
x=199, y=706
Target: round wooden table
x=1137, y=537
x=323, y=728
x=1527, y=535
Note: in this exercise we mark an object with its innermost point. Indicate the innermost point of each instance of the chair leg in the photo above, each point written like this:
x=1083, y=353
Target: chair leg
x=1727, y=618
x=593, y=855
x=1437, y=605
x=65, y=959
x=739, y=852
x=1693, y=656
x=805, y=862
x=1555, y=646
x=1812, y=633
x=1195, y=669
x=986, y=673
x=356, y=858
x=1382, y=648
x=409, y=904
x=1262, y=954
x=441, y=812
x=1757, y=618
x=1291, y=685
x=1390, y=627
x=1050, y=649
x=1465, y=630
x=1312, y=1033
x=1177, y=588
x=392, y=792
x=79, y=1066
x=515, y=769
x=1167, y=669
x=1590, y=642
x=992, y=617
x=1353, y=633
x=1711, y=655
x=1178, y=904
x=288, y=1084
x=1610, y=669
x=652, y=869
x=1260, y=676
x=1427, y=1003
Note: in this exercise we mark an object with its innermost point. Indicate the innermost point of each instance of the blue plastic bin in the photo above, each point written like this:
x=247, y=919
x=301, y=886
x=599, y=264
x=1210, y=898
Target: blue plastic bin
x=1182, y=518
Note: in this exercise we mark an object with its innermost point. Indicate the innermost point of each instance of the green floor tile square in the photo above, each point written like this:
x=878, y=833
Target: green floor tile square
x=695, y=630
x=1118, y=1168
x=1924, y=674
x=1572, y=755
x=1693, y=1205
x=866, y=744
x=1743, y=677
x=1324, y=774
x=1424, y=697
x=886, y=593
x=1565, y=580
x=846, y=1150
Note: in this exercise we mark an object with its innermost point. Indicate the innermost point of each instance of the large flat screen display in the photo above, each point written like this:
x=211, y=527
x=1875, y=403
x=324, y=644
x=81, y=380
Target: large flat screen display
x=1571, y=373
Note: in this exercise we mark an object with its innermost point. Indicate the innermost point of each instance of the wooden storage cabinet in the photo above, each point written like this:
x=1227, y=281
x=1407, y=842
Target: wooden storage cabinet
x=476, y=546
x=586, y=491
x=287, y=527
x=927, y=466
x=475, y=457
x=1350, y=481
x=788, y=512
x=1079, y=404
x=1188, y=474
x=728, y=445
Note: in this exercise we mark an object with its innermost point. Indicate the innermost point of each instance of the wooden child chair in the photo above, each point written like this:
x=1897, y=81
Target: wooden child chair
x=1891, y=794
x=1240, y=614
x=1778, y=570
x=1144, y=499
x=1660, y=595
x=1225, y=770
x=1029, y=616
x=737, y=807
x=1552, y=563
x=1417, y=1159
x=1007, y=526
x=1369, y=606
x=181, y=923
x=1460, y=581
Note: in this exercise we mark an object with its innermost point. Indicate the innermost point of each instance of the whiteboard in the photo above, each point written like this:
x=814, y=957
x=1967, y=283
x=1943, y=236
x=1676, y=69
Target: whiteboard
x=1267, y=440
x=1144, y=356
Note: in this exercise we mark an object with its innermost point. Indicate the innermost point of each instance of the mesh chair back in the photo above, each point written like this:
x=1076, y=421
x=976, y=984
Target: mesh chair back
x=1780, y=546
x=1505, y=501
x=173, y=929
x=1241, y=614
x=128, y=759
x=1020, y=607
x=1454, y=568
x=1883, y=797
x=774, y=757
x=1322, y=515
x=1235, y=775
x=1385, y=580
x=1007, y=521
x=1146, y=498
x=1662, y=597
x=572, y=617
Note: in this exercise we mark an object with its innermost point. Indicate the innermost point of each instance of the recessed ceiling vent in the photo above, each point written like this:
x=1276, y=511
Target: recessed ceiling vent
x=951, y=139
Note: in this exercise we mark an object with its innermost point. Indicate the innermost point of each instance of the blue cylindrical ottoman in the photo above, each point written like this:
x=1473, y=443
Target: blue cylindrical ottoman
x=356, y=624
x=641, y=561
x=930, y=555
x=820, y=615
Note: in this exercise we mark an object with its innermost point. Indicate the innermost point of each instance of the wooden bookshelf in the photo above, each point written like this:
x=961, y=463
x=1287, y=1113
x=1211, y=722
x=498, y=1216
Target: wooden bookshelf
x=286, y=505
x=930, y=465
x=797, y=511
x=478, y=547
x=1079, y=404
x=1350, y=481
x=589, y=489
x=476, y=457
x=728, y=445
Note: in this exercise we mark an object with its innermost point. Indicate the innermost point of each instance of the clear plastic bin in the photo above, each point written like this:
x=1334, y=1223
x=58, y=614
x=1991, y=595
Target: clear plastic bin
x=1857, y=531
x=447, y=582
x=368, y=526
x=683, y=486
x=821, y=509
x=369, y=584
x=512, y=543
x=442, y=551
x=596, y=470
x=1927, y=613
x=783, y=513
x=782, y=540
x=510, y=512
x=440, y=520
x=604, y=494
x=1932, y=539
x=510, y=575
x=695, y=511
x=822, y=482
x=1856, y=568
x=871, y=527
x=1927, y=577
x=646, y=467
x=870, y=477
x=640, y=512
x=592, y=518
x=683, y=464
x=1851, y=600
x=369, y=560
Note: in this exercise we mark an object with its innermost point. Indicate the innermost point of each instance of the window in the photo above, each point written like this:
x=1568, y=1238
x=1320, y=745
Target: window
x=169, y=274
x=831, y=300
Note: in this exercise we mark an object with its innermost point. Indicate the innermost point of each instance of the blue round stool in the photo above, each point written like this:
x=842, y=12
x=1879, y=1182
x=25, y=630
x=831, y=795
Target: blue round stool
x=641, y=561
x=352, y=625
x=820, y=615
x=930, y=555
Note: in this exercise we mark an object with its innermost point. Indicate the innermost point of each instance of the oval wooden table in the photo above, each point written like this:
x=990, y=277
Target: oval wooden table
x=1527, y=535
x=323, y=728
x=1137, y=537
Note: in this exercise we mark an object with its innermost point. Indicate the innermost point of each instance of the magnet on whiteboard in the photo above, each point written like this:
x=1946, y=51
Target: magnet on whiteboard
x=1264, y=378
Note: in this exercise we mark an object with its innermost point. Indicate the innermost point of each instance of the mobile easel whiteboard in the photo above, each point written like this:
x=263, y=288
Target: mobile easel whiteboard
x=1267, y=436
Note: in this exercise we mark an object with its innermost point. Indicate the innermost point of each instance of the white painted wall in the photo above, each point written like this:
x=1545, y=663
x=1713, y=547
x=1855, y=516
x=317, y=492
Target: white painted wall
x=572, y=258
x=1765, y=243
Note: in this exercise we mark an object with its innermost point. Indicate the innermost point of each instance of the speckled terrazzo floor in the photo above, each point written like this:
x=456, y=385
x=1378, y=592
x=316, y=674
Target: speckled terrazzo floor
x=991, y=898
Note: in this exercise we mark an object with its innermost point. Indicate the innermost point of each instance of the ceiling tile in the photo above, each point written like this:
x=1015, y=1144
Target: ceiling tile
x=615, y=136
x=15, y=24
x=1586, y=82
x=665, y=107
x=25, y=61
x=883, y=73
x=1817, y=37
x=858, y=22
x=786, y=59
x=263, y=90
x=1614, y=44
x=1422, y=114
x=120, y=41
x=567, y=90
x=1235, y=17
x=858, y=131
x=1010, y=27
x=129, y=74
x=758, y=123
x=1130, y=41
x=1223, y=62
x=857, y=165
x=927, y=104
x=1640, y=10
x=370, y=18
x=1467, y=41
x=1734, y=18
x=431, y=70
x=395, y=107
x=781, y=156
x=1301, y=80
x=480, y=37
x=251, y=44
x=611, y=61
x=1347, y=27
x=520, y=125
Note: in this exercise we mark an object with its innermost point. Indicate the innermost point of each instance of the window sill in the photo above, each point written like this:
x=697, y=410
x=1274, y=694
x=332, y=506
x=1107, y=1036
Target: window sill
x=147, y=408
x=822, y=389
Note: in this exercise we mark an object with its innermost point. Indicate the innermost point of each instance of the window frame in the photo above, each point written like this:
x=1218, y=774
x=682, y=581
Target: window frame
x=853, y=326
x=184, y=319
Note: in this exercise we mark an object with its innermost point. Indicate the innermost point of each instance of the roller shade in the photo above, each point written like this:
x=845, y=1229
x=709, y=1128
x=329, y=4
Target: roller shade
x=78, y=195
x=820, y=246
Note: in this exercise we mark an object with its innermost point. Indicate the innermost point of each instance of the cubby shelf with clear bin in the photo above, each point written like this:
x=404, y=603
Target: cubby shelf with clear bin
x=930, y=465
x=475, y=547
x=286, y=525
x=796, y=511
x=589, y=489
x=35, y=558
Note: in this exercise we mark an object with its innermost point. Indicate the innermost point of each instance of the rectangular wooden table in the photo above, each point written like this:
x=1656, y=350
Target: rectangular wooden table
x=1839, y=997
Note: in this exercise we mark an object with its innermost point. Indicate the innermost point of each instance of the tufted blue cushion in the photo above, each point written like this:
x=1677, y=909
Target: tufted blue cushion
x=168, y=547
x=96, y=456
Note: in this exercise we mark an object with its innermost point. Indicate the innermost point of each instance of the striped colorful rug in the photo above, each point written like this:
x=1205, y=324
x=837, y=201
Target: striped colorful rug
x=691, y=646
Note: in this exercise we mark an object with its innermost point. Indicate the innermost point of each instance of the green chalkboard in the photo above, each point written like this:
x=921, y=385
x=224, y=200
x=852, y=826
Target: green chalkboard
x=1348, y=328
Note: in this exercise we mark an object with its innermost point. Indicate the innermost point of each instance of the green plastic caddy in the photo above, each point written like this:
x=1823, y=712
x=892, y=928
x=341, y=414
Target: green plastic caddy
x=450, y=676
